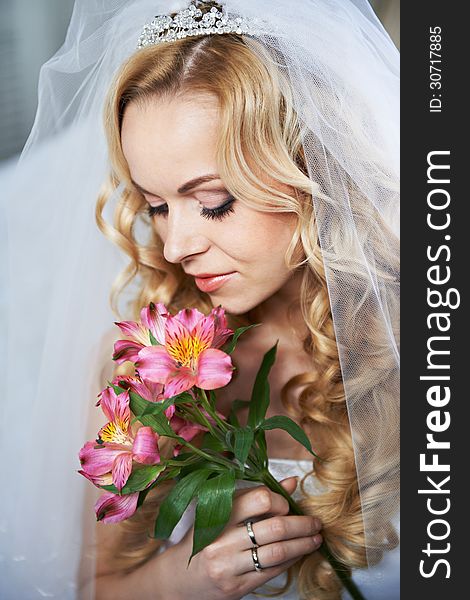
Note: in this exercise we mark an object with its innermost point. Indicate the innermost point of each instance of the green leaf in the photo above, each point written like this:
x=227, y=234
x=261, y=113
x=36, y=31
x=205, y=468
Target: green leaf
x=228, y=438
x=213, y=509
x=157, y=420
x=118, y=390
x=282, y=422
x=194, y=466
x=174, y=505
x=160, y=424
x=236, y=406
x=212, y=399
x=183, y=456
x=138, y=480
x=243, y=442
x=260, y=440
x=142, y=496
x=183, y=398
x=157, y=408
x=229, y=347
x=260, y=396
x=233, y=420
x=212, y=443
x=153, y=339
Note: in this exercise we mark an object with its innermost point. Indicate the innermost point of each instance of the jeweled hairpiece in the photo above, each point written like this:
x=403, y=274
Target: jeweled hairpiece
x=193, y=21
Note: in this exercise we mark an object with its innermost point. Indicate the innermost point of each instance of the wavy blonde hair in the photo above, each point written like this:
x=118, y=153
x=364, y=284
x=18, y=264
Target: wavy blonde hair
x=258, y=124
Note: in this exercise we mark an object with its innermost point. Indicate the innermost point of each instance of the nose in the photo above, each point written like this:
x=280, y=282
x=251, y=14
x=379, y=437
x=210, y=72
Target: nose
x=184, y=235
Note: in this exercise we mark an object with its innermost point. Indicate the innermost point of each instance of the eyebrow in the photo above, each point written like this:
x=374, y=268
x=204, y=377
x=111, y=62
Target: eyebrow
x=185, y=188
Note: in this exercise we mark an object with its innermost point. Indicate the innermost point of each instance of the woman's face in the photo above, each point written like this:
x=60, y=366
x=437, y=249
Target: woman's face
x=170, y=149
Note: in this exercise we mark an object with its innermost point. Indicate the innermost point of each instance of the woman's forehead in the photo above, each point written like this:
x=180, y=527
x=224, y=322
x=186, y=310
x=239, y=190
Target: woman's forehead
x=170, y=142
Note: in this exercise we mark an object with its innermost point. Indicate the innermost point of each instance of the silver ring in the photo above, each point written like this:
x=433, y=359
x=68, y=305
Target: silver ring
x=251, y=533
x=254, y=556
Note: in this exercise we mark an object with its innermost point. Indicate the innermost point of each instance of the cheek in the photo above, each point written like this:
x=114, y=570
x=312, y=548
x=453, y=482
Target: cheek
x=159, y=227
x=268, y=236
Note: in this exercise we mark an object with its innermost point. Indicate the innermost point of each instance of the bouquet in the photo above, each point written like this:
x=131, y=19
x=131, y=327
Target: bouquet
x=180, y=360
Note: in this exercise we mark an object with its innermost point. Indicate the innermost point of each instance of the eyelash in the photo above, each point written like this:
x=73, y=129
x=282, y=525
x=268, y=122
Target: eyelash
x=217, y=213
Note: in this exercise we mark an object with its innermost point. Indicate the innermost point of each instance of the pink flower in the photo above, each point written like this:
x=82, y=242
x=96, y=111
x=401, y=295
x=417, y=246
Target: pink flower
x=152, y=319
x=148, y=390
x=111, y=508
x=190, y=354
x=186, y=430
x=111, y=456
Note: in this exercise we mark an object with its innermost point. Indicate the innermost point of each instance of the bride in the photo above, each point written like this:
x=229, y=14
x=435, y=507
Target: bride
x=256, y=168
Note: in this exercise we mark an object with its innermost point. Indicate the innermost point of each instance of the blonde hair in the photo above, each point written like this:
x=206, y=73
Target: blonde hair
x=257, y=123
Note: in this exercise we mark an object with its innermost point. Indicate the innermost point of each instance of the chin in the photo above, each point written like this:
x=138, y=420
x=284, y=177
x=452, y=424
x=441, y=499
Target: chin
x=234, y=306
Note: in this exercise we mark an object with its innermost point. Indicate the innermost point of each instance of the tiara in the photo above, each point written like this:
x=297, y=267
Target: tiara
x=193, y=21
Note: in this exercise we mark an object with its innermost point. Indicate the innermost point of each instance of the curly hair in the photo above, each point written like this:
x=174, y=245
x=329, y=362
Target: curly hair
x=258, y=123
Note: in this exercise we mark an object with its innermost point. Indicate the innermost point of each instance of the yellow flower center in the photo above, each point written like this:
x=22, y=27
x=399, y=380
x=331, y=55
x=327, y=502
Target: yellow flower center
x=186, y=350
x=115, y=431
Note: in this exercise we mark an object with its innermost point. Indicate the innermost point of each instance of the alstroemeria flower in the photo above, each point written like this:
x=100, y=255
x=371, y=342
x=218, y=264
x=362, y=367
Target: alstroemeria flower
x=148, y=390
x=189, y=356
x=111, y=508
x=152, y=318
x=118, y=443
x=186, y=430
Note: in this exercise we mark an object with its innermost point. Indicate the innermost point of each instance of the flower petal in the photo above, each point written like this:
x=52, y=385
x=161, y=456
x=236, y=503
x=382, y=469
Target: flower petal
x=126, y=350
x=136, y=331
x=114, y=432
x=214, y=369
x=153, y=317
x=98, y=480
x=170, y=411
x=98, y=459
x=189, y=430
x=203, y=331
x=189, y=317
x=180, y=381
x=221, y=331
x=186, y=430
x=175, y=331
x=115, y=406
x=148, y=390
x=111, y=508
x=155, y=364
x=145, y=449
x=122, y=468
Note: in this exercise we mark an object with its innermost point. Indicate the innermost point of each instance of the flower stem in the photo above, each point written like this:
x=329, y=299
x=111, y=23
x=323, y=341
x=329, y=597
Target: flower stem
x=338, y=567
x=210, y=458
x=213, y=413
x=204, y=420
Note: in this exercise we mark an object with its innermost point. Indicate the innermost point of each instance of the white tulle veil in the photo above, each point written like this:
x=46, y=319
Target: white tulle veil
x=343, y=70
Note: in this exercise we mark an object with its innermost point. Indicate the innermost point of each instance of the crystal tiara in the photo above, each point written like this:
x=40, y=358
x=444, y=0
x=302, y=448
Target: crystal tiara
x=193, y=21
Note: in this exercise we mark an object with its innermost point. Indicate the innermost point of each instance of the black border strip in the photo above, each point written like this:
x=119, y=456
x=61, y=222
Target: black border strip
x=438, y=138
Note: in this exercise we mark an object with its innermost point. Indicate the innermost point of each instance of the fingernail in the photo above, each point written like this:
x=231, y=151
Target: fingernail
x=288, y=479
x=317, y=539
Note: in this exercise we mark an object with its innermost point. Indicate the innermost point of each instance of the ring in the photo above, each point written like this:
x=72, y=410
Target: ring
x=254, y=556
x=251, y=533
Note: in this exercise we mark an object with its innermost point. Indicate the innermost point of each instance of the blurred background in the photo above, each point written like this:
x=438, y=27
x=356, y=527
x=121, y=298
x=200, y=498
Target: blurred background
x=30, y=33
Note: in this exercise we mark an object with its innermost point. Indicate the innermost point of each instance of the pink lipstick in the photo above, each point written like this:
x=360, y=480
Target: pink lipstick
x=209, y=283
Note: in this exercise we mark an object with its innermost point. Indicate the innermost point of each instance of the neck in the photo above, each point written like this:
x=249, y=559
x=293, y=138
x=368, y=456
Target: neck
x=280, y=314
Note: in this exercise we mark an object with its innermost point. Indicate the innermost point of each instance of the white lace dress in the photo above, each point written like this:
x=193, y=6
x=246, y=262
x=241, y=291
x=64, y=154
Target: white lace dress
x=377, y=583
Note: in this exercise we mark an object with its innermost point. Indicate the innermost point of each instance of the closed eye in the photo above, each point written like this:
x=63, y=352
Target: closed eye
x=217, y=213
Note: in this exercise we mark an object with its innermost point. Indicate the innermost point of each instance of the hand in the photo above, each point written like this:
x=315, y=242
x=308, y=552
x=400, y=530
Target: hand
x=224, y=570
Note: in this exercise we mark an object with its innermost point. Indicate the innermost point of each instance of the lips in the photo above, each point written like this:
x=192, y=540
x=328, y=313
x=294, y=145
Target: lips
x=209, y=283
